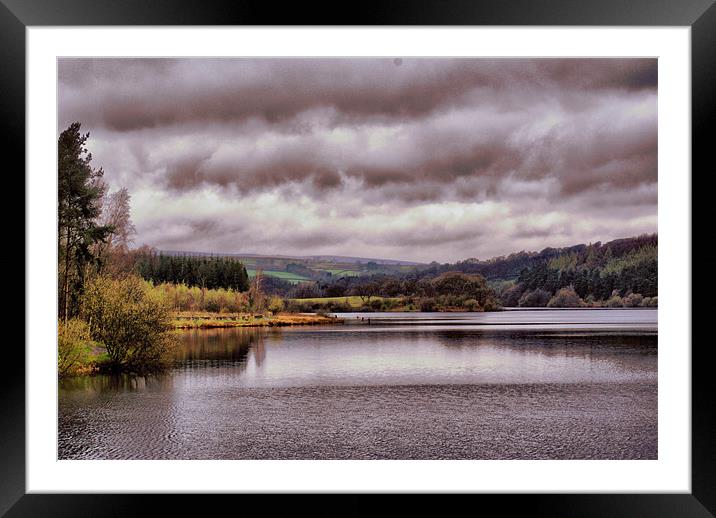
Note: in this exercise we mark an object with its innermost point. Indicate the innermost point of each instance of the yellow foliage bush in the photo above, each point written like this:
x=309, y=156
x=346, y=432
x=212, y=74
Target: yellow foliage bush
x=74, y=348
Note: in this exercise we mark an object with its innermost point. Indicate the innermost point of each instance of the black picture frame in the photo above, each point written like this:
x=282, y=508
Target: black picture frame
x=700, y=15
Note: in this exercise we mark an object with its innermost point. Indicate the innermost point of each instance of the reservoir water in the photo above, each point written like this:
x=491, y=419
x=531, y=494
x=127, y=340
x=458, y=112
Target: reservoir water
x=523, y=384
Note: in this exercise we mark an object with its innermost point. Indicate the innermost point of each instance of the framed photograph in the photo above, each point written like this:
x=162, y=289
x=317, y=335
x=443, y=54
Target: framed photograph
x=413, y=251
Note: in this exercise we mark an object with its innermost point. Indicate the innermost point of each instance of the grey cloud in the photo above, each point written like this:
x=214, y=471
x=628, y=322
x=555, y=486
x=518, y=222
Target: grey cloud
x=130, y=94
x=433, y=234
x=360, y=135
x=578, y=151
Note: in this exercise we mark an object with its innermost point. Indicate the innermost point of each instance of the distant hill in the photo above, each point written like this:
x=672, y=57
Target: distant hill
x=619, y=273
x=318, y=258
x=360, y=260
x=509, y=267
x=283, y=271
x=594, y=269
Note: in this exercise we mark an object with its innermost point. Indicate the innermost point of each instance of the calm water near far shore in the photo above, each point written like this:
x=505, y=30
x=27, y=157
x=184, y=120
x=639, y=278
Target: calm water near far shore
x=522, y=384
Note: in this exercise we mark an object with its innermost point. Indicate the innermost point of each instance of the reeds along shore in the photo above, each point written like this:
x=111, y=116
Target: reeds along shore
x=203, y=319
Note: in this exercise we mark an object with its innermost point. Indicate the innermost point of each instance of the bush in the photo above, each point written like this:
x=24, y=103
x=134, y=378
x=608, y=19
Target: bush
x=180, y=297
x=472, y=305
x=427, y=305
x=535, y=299
x=614, y=302
x=650, y=302
x=212, y=305
x=275, y=305
x=391, y=304
x=633, y=300
x=74, y=348
x=510, y=297
x=376, y=304
x=131, y=322
x=565, y=298
x=491, y=304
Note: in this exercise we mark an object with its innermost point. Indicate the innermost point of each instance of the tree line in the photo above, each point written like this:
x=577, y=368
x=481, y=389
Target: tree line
x=204, y=272
x=595, y=272
x=449, y=291
x=597, y=276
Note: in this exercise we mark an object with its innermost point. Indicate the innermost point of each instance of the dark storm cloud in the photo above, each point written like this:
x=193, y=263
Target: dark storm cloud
x=131, y=94
x=354, y=137
x=589, y=74
x=254, y=169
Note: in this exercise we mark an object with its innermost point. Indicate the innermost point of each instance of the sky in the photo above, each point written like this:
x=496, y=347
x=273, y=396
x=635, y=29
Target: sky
x=419, y=159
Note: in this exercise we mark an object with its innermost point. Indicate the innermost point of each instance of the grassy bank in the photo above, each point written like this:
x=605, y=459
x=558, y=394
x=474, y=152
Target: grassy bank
x=204, y=319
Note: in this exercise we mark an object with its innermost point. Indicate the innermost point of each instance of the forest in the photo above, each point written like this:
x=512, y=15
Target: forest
x=205, y=272
x=619, y=273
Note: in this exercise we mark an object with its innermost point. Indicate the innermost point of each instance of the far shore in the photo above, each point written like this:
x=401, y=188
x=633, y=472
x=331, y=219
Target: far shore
x=207, y=319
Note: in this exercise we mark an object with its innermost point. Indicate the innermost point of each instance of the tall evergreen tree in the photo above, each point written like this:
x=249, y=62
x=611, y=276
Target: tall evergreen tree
x=80, y=189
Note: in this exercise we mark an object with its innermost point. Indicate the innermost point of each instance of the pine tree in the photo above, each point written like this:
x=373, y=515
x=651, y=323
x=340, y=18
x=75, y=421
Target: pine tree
x=80, y=189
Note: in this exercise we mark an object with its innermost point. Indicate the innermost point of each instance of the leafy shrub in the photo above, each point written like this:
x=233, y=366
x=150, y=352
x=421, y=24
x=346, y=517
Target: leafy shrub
x=180, y=297
x=650, y=302
x=390, y=304
x=131, y=322
x=633, y=300
x=535, y=299
x=74, y=348
x=427, y=305
x=275, y=305
x=491, y=304
x=510, y=296
x=565, y=298
x=615, y=301
x=472, y=305
x=212, y=305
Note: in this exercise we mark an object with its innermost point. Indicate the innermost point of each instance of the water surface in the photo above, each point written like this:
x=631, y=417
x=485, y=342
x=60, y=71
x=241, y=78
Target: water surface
x=517, y=384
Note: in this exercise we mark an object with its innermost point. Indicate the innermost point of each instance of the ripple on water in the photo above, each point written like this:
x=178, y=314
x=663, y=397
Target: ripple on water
x=541, y=421
x=389, y=392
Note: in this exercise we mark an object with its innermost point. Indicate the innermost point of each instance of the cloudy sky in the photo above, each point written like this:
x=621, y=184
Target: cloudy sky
x=414, y=159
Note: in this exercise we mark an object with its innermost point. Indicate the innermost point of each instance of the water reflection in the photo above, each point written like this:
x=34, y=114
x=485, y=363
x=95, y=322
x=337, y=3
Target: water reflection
x=558, y=318
x=396, y=356
x=117, y=383
x=255, y=357
x=200, y=347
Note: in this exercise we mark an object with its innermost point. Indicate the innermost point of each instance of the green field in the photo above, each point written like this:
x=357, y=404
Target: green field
x=343, y=273
x=286, y=276
x=278, y=266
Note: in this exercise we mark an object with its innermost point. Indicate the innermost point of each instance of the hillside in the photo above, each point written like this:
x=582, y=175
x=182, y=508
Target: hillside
x=583, y=255
x=594, y=273
x=309, y=268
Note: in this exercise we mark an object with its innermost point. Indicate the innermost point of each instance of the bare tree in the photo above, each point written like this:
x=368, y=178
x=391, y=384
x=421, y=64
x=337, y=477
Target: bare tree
x=256, y=296
x=116, y=215
x=367, y=290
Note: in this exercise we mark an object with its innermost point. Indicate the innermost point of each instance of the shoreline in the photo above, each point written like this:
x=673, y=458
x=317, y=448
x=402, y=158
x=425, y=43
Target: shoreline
x=211, y=320
x=205, y=320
